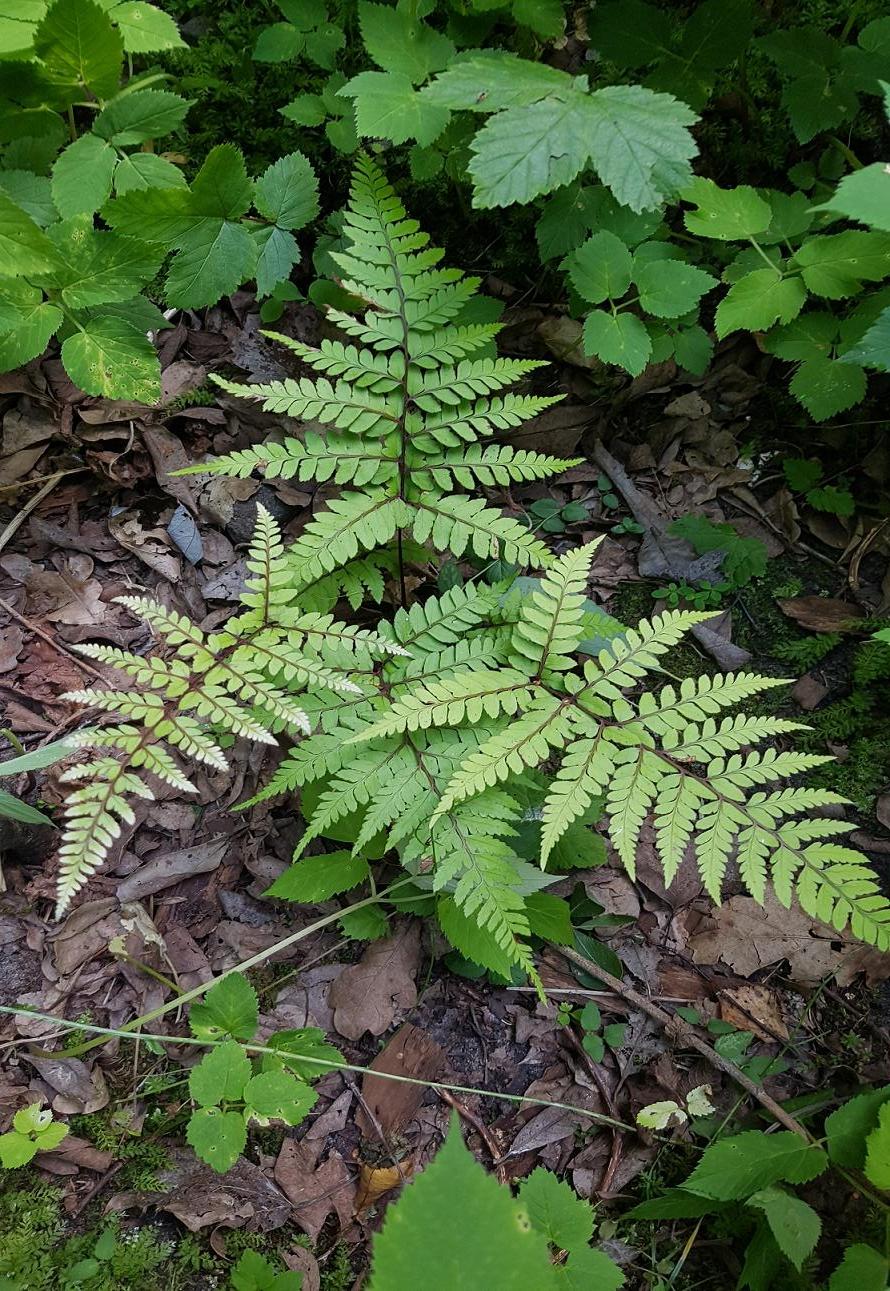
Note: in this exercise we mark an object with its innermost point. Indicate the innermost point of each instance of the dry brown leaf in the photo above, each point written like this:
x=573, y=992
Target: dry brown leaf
x=152, y=546
x=410, y=1052
x=200, y=1198
x=821, y=613
x=754, y=1008
x=367, y=995
x=375, y=1181
x=748, y=937
x=65, y=595
x=312, y=1192
x=304, y=1262
x=163, y=871
x=809, y=692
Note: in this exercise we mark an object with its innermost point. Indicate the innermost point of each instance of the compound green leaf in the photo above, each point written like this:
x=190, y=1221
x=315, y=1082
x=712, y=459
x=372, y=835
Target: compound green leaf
x=82, y=174
x=759, y=300
x=27, y=322
x=277, y=253
x=387, y=106
x=254, y=1272
x=297, y=1050
x=80, y=50
x=229, y=1008
x=725, y=213
x=473, y=942
x=670, y=288
x=33, y=193
x=736, y=1168
x=864, y=195
x=618, y=338
x=101, y=267
x=397, y=42
x=795, y=1226
x=546, y=18
x=525, y=151
x=498, y=1247
x=220, y=1075
x=693, y=349
x=278, y=43
x=218, y=257
x=218, y=1137
x=491, y=81
x=287, y=193
x=600, y=269
x=873, y=350
x=112, y=358
x=556, y=1211
x=145, y=28
x=809, y=337
x=280, y=1096
x=16, y=1150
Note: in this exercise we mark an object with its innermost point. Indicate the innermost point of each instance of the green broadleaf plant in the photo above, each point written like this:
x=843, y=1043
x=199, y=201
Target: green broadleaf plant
x=433, y=737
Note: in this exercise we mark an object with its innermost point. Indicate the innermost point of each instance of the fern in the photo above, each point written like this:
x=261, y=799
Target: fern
x=420, y=384
x=439, y=736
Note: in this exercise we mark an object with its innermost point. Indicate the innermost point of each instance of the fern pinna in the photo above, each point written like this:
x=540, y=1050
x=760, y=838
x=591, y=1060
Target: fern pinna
x=434, y=739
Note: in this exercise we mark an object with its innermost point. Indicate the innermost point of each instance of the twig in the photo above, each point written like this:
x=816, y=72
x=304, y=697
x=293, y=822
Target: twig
x=596, y=1076
x=56, y=645
x=97, y=1187
x=21, y=516
x=686, y=1034
x=481, y=1129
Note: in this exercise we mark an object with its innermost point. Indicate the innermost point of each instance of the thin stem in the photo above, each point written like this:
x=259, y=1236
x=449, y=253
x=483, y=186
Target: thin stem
x=760, y=251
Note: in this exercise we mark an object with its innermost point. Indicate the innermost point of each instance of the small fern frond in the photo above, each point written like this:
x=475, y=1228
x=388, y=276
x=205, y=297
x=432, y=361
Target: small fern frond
x=339, y=404
x=432, y=349
x=352, y=524
x=465, y=698
x=549, y=628
x=701, y=743
x=443, y=620
x=700, y=698
x=483, y=418
x=495, y=464
x=439, y=388
x=583, y=776
x=627, y=659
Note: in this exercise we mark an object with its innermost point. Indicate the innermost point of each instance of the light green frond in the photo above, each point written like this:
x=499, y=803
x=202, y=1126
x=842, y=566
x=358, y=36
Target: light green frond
x=525, y=743
x=180, y=632
x=472, y=379
x=700, y=743
x=716, y=829
x=585, y=772
x=339, y=404
x=627, y=659
x=676, y=807
x=331, y=640
x=631, y=791
x=360, y=367
x=467, y=697
x=354, y=786
x=345, y=459
x=483, y=418
x=442, y=620
x=357, y=522
x=267, y=585
x=460, y=524
x=549, y=628
x=432, y=349
x=491, y=465
x=405, y=793
x=731, y=776
x=699, y=698
x=477, y=651
x=361, y=579
x=770, y=807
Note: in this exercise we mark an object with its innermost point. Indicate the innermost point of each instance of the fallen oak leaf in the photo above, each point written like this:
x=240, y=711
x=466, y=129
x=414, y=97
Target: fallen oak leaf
x=821, y=613
x=367, y=995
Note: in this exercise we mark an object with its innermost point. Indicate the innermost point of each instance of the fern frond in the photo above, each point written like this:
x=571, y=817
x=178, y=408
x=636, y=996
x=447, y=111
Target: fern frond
x=432, y=349
x=472, y=379
x=495, y=464
x=351, y=524
x=700, y=743
x=341, y=458
x=458, y=524
x=486, y=416
x=730, y=776
x=474, y=653
x=340, y=404
x=584, y=774
x=627, y=659
x=466, y=697
x=443, y=620
x=525, y=743
x=549, y=628
x=630, y=795
x=360, y=367
x=699, y=698
x=354, y=786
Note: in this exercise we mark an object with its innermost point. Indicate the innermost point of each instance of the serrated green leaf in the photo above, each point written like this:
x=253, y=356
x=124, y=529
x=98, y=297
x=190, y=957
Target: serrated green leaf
x=81, y=180
x=229, y=1008
x=254, y=1272
x=498, y=1248
x=862, y=1269
x=16, y=1150
x=588, y=1268
x=639, y=143
x=80, y=50
x=546, y=18
x=836, y=265
x=137, y=171
x=795, y=1226
x=287, y=193
x=556, y=1211
x=863, y=195
x=139, y=115
x=759, y=300
x=217, y=1137
x=693, y=349
x=398, y=42
x=218, y=257
x=387, y=106
x=549, y=917
x=26, y=323
x=297, y=1048
x=801, y=473
x=600, y=269
x=828, y=386
x=670, y=288
x=24, y=247
x=724, y=213
x=305, y=110
x=220, y=1075
x=676, y=1204
x=618, y=338
x=145, y=28
x=96, y=268
x=33, y=193
x=809, y=337
x=877, y=1151
x=367, y=924
x=111, y=357
x=491, y=80
x=318, y=878
x=278, y=43
x=277, y=253
x=280, y=1096
x=523, y=152
x=735, y=1168
x=873, y=350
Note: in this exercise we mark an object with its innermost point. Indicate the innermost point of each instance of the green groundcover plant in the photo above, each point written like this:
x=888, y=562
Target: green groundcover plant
x=437, y=737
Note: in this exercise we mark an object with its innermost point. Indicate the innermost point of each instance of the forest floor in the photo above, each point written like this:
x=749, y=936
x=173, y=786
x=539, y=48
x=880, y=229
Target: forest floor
x=90, y=512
